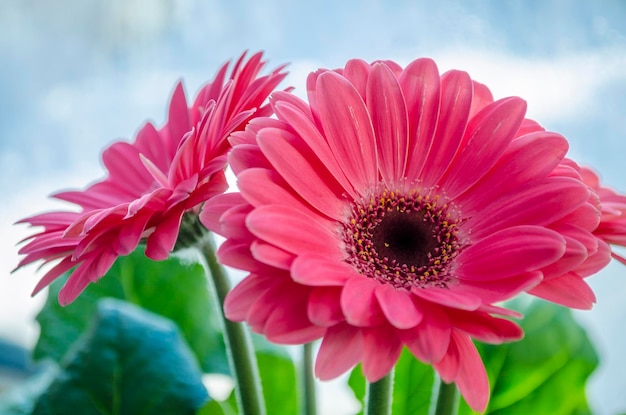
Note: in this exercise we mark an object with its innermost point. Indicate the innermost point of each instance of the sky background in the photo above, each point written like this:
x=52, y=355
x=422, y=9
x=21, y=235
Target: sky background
x=76, y=75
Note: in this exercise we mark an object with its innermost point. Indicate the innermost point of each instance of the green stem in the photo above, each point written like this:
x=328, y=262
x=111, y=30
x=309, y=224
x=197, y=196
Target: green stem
x=310, y=402
x=238, y=343
x=379, y=396
x=446, y=399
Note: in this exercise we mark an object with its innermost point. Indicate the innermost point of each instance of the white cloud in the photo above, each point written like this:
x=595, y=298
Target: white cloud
x=561, y=87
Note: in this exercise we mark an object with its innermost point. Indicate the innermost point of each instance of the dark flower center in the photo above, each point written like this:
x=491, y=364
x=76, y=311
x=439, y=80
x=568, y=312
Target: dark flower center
x=404, y=240
x=404, y=237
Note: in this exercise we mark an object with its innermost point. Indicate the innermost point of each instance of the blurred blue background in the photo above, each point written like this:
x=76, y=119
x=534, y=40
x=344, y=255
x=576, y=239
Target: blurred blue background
x=76, y=75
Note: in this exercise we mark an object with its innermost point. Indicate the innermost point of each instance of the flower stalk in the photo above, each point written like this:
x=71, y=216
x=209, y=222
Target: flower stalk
x=308, y=381
x=446, y=399
x=379, y=395
x=239, y=348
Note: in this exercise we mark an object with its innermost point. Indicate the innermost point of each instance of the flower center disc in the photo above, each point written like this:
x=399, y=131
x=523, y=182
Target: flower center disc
x=404, y=237
x=403, y=240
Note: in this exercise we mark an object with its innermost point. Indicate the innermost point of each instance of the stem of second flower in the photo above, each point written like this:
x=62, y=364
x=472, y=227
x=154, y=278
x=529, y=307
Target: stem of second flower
x=310, y=400
x=379, y=395
x=446, y=399
x=238, y=343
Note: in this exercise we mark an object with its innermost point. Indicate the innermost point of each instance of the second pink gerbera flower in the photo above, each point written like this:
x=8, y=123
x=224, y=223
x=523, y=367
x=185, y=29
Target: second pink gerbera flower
x=155, y=184
x=394, y=209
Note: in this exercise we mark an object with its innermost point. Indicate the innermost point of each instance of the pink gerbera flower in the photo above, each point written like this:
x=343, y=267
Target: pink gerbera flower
x=154, y=185
x=394, y=210
x=612, y=227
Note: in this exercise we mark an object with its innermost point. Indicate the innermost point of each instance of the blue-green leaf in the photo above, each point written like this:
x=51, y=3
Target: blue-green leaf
x=130, y=362
x=172, y=288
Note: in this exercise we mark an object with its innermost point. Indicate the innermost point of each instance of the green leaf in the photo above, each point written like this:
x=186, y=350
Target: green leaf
x=215, y=407
x=546, y=372
x=412, y=386
x=211, y=408
x=172, y=288
x=129, y=362
x=278, y=377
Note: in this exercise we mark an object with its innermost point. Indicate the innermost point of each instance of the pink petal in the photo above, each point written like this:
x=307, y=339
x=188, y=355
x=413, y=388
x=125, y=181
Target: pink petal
x=161, y=155
x=51, y=219
x=389, y=118
x=161, y=242
x=484, y=327
x=357, y=71
x=324, y=306
x=243, y=295
x=529, y=126
x=509, y=252
x=449, y=298
x=304, y=172
x=569, y=290
x=247, y=156
x=65, y=265
x=233, y=222
x=341, y=349
x=348, y=129
x=293, y=231
x=178, y=123
x=486, y=138
x=236, y=254
x=359, y=303
x=214, y=208
x=505, y=312
x=264, y=304
x=501, y=289
x=471, y=377
x=267, y=187
x=316, y=270
x=381, y=350
x=309, y=132
x=429, y=340
x=527, y=158
x=574, y=256
x=289, y=323
x=90, y=271
x=398, y=306
x=482, y=98
x=130, y=235
x=456, y=99
x=596, y=261
x=538, y=203
x=271, y=255
x=421, y=88
x=122, y=161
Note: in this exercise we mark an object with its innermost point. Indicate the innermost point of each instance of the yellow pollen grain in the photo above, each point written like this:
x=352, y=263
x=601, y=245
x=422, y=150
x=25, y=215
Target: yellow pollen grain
x=386, y=244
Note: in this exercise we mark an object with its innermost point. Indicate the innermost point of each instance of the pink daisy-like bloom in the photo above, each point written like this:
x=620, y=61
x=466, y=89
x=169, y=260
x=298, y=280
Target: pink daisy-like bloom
x=154, y=185
x=394, y=209
x=612, y=227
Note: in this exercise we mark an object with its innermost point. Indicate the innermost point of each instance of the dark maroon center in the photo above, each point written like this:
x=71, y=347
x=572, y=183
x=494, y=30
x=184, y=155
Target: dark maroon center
x=403, y=240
